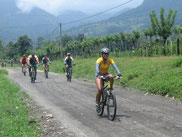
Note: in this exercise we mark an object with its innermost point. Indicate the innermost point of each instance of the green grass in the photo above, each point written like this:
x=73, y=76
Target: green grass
x=14, y=113
x=157, y=75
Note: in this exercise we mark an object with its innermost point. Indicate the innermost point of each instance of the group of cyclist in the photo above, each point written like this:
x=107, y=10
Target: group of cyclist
x=102, y=66
x=33, y=61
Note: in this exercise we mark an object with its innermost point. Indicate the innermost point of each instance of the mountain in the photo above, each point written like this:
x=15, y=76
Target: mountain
x=14, y=23
x=133, y=19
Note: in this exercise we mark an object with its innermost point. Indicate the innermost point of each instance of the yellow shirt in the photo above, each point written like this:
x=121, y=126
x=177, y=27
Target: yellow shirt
x=103, y=68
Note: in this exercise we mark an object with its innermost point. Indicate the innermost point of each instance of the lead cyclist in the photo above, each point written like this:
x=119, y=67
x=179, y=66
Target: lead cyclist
x=102, y=66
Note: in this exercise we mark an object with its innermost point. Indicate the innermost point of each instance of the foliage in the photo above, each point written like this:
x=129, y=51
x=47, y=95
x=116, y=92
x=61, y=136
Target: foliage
x=157, y=75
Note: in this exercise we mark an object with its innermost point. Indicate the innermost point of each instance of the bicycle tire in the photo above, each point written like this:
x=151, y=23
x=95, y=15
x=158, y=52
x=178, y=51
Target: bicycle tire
x=46, y=74
x=102, y=103
x=110, y=106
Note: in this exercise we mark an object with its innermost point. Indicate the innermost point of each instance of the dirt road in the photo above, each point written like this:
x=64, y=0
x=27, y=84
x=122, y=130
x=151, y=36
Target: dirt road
x=73, y=106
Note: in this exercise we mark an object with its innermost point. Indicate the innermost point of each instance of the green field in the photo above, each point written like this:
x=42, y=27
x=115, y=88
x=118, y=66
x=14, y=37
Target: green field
x=157, y=75
x=14, y=114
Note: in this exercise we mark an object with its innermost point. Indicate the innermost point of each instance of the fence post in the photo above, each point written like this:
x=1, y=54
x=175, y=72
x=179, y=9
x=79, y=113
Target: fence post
x=171, y=47
x=177, y=46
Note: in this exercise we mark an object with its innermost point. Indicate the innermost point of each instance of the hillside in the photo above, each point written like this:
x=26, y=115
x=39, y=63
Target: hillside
x=137, y=18
x=15, y=23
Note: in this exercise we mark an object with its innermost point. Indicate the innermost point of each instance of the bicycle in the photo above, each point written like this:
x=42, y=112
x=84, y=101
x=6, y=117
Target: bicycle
x=68, y=75
x=108, y=99
x=24, y=70
x=32, y=74
x=46, y=70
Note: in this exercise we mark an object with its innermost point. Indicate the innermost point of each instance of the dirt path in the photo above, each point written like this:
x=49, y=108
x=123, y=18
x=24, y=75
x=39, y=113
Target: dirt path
x=73, y=107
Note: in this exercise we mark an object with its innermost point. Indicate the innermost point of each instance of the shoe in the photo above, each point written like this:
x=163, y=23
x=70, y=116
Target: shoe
x=98, y=108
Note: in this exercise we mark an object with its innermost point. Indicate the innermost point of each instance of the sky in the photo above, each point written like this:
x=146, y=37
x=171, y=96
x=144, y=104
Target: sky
x=55, y=7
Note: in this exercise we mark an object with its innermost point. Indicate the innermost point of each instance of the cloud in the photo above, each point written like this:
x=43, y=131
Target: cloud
x=57, y=6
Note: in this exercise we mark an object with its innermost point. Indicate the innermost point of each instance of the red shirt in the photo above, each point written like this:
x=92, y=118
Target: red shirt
x=23, y=60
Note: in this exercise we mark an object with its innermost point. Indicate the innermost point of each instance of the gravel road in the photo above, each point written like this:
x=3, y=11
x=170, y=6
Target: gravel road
x=72, y=105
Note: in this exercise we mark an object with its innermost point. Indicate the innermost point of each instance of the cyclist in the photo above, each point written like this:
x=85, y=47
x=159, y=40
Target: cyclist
x=11, y=62
x=102, y=66
x=33, y=61
x=23, y=61
x=68, y=62
x=45, y=61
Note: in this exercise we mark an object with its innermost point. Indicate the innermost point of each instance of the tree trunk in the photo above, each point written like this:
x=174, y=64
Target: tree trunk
x=177, y=49
x=149, y=48
x=164, y=50
x=157, y=46
x=168, y=52
x=171, y=47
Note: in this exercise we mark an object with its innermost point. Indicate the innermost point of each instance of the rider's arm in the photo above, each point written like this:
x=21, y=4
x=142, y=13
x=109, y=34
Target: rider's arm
x=97, y=68
x=65, y=62
x=73, y=60
x=48, y=61
x=116, y=68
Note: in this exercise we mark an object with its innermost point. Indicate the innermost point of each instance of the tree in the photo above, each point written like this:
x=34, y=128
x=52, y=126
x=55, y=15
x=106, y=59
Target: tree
x=40, y=42
x=24, y=44
x=164, y=26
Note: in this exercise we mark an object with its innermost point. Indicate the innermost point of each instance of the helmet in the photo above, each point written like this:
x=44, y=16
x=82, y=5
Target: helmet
x=23, y=55
x=45, y=54
x=105, y=50
x=68, y=54
x=33, y=53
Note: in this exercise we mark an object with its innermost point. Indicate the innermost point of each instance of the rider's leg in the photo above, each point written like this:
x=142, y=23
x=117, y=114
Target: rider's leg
x=44, y=67
x=22, y=67
x=111, y=80
x=67, y=68
x=29, y=69
x=35, y=67
x=71, y=71
x=99, y=84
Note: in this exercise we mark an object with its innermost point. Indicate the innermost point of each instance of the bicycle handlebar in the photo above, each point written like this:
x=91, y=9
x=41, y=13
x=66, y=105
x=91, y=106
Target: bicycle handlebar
x=116, y=77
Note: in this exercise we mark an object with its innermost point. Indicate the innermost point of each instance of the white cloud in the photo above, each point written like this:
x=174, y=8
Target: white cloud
x=89, y=6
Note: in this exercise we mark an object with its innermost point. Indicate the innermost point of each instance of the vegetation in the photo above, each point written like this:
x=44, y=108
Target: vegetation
x=157, y=75
x=15, y=120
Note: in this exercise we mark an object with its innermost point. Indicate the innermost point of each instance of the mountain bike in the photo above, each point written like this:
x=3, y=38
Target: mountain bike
x=24, y=70
x=108, y=99
x=46, y=70
x=68, y=74
x=32, y=74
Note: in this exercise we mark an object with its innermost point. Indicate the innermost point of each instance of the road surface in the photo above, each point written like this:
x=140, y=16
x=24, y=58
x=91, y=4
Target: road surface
x=73, y=105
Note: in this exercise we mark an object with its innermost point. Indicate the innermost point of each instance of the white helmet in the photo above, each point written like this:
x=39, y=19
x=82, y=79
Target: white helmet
x=105, y=50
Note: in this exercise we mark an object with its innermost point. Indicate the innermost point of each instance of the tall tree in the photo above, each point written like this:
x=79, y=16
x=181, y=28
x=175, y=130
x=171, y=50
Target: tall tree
x=163, y=26
x=24, y=44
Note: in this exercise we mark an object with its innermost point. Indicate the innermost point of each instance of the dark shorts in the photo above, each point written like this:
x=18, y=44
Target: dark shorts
x=24, y=62
x=101, y=74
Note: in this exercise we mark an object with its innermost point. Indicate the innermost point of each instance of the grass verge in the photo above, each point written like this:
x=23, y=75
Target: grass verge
x=14, y=114
x=157, y=75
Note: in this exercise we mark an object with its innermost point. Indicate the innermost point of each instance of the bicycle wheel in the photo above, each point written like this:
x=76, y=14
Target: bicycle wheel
x=46, y=73
x=111, y=106
x=33, y=76
x=101, y=105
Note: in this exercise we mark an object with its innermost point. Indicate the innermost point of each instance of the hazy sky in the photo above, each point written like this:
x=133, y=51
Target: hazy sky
x=87, y=6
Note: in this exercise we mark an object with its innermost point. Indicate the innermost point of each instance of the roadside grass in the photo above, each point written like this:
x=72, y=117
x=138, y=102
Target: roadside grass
x=157, y=75
x=14, y=114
